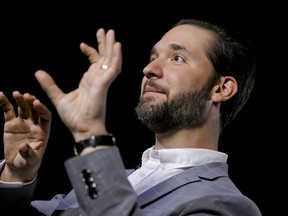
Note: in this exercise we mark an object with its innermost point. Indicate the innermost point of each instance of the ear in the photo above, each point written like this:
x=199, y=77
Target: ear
x=225, y=89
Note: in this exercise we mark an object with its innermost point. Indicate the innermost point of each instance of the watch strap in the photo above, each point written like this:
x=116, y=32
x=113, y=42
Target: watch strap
x=93, y=141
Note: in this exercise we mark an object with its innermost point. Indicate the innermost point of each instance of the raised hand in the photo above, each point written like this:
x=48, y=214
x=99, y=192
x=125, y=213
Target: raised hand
x=83, y=110
x=26, y=134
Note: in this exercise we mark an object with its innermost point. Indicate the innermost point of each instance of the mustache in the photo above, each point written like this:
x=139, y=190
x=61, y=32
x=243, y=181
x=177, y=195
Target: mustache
x=153, y=84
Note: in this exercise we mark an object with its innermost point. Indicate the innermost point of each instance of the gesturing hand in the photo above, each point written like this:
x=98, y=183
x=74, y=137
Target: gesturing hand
x=25, y=136
x=83, y=110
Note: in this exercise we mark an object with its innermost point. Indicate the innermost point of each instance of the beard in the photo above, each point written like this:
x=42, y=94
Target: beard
x=185, y=110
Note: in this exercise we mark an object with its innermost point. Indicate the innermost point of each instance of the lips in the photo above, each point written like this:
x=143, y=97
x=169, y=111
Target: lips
x=150, y=89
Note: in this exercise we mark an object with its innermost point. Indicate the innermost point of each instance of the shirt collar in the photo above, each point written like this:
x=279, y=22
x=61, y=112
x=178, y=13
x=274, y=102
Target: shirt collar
x=184, y=156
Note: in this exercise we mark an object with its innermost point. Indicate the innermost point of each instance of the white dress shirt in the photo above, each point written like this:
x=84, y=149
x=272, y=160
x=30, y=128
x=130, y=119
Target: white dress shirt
x=158, y=165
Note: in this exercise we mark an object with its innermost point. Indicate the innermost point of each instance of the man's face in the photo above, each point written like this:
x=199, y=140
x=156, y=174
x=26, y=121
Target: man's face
x=174, y=91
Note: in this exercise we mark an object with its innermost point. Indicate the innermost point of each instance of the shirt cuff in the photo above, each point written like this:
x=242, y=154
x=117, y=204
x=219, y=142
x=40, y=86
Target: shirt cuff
x=13, y=184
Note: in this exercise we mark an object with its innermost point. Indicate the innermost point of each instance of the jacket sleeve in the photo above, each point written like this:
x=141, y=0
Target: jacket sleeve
x=101, y=185
x=16, y=198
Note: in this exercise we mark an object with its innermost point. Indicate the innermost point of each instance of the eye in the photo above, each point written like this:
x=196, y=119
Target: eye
x=178, y=58
x=152, y=58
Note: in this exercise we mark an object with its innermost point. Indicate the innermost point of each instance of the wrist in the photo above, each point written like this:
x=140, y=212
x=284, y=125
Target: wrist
x=91, y=149
x=81, y=135
x=7, y=175
x=90, y=144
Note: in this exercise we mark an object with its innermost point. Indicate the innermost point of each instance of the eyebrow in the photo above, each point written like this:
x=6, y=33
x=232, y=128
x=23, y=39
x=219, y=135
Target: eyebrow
x=173, y=46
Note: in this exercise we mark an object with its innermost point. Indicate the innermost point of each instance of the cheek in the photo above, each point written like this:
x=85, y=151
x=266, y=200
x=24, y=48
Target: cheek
x=181, y=83
x=188, y=82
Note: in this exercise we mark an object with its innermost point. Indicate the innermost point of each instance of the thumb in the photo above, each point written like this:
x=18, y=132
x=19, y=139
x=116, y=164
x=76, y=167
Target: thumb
x=25, y=151
x=48, y=85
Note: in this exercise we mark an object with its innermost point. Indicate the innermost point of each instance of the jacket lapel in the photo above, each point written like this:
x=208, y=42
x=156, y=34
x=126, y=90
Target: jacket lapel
x=194, y=174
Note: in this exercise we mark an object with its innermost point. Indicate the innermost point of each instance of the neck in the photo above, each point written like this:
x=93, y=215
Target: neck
x=201, y=137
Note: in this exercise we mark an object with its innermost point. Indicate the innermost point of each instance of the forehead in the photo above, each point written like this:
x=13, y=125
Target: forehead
x=191, y=36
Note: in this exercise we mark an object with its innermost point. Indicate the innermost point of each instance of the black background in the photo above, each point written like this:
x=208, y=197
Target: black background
x=47, y=37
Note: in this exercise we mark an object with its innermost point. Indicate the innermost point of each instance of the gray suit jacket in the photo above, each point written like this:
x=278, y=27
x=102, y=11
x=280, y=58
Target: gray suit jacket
x=101, y=188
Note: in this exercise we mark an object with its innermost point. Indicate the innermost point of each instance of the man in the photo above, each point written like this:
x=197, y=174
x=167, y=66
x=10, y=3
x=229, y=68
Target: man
x=197, y=80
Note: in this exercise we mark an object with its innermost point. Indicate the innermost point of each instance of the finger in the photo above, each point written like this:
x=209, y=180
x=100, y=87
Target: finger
x=28, y=153
x=43, y=115
x=30, y=99
x=110, y=41
x=49, y=86
x=7, y=107
x=34, y=116
x=117, y=56
x=101, y=40
x=24, y=103
x=116, y=60
x=25, y=151
x=90, y=52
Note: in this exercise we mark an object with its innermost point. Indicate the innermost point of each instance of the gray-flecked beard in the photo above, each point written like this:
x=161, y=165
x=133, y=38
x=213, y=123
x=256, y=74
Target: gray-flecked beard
x=185, y=110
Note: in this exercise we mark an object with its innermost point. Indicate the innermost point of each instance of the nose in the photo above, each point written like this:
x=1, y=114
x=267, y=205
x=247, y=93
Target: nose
x=153, y=69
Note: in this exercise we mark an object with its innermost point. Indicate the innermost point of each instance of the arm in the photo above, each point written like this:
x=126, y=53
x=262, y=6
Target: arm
x=83, y=112
x=100, y=183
